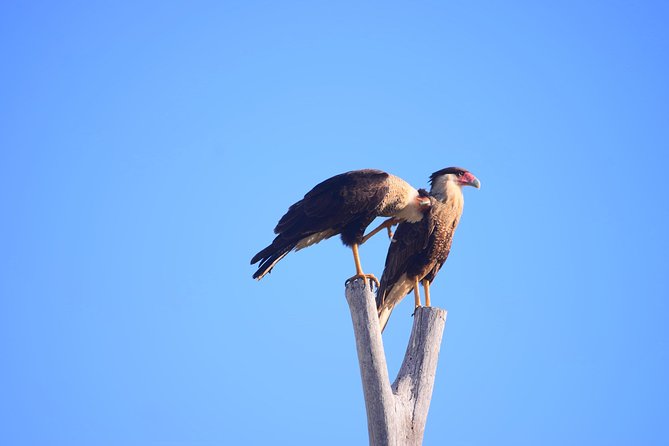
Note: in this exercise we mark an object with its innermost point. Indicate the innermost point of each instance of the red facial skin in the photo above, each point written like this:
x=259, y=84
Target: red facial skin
x=467, y=179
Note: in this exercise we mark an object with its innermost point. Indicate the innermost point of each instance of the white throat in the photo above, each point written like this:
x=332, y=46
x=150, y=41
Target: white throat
x=446, y=187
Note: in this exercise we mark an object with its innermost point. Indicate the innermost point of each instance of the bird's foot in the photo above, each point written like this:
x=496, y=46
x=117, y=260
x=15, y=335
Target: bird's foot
x=370, y=277
x=415, y=309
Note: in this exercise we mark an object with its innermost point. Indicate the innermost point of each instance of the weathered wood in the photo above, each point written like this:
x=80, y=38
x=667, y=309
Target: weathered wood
x=396, y=414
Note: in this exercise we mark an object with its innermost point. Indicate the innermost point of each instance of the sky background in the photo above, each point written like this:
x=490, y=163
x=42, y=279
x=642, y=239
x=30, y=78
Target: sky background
x=147, y=150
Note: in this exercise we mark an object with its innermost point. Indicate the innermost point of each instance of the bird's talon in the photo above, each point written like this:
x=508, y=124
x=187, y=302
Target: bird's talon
x=372, y=279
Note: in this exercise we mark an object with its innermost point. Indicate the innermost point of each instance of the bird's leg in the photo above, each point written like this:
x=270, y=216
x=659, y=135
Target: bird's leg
x=416, y=293
x=388, y=224
x=426, y=287
x=358, y=268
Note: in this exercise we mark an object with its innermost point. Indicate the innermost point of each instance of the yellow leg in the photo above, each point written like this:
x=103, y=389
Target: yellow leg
x=356, y=259
x=426, y=287
x=416, y=293
x=388, y=224
x=358, y=268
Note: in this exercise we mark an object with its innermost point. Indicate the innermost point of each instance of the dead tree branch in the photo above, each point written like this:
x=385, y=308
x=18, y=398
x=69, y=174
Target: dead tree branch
x=396, y=414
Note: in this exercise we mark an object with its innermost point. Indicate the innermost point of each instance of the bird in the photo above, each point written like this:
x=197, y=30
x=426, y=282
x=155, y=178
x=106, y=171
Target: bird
x=344, y=204
x=418, y=250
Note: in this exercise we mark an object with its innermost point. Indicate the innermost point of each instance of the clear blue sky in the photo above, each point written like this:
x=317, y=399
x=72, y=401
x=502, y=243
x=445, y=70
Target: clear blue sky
x=147, y=149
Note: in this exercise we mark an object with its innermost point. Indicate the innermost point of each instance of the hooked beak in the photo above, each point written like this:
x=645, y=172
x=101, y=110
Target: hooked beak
x=470, y=180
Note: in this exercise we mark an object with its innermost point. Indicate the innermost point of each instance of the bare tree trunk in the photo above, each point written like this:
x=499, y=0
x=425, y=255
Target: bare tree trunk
x=396, y=414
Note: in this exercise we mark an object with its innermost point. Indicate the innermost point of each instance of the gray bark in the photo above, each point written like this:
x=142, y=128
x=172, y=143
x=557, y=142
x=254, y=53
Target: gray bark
x=396, y=414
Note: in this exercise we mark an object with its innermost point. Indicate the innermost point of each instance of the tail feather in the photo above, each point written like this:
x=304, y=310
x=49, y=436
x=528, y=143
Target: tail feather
x=265, y=253
x=269, y=257
x=384, y=315
x=390, y=295
x=384, y=307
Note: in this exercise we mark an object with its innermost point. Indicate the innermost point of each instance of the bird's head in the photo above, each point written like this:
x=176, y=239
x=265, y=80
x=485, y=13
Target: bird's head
x=451, y=177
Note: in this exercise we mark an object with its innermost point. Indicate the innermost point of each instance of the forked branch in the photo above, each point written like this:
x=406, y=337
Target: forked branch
x=396, y=414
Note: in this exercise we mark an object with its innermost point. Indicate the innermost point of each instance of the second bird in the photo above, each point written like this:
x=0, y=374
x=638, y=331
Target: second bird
x=418, y=250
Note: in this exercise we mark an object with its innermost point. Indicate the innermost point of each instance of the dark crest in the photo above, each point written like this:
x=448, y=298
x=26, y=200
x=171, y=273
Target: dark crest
x=454, y=170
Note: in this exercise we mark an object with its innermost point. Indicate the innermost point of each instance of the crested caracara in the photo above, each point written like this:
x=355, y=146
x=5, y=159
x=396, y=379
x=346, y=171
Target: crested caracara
x=419, y=249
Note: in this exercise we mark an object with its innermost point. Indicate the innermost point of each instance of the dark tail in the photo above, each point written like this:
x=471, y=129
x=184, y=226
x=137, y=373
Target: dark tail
x=269, y=256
